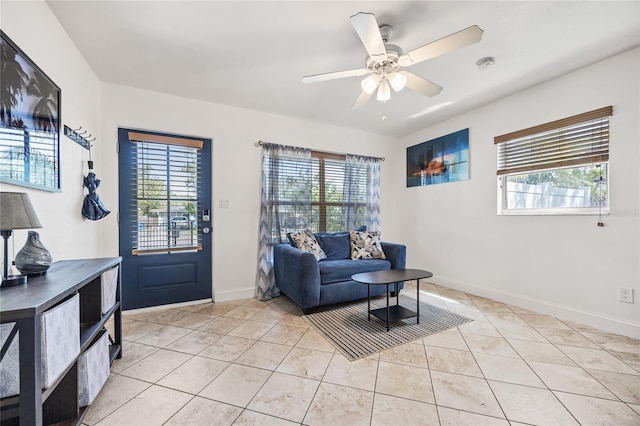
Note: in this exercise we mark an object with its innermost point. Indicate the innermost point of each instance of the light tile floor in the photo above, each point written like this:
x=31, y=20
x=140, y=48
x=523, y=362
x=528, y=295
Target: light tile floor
x=259, y=363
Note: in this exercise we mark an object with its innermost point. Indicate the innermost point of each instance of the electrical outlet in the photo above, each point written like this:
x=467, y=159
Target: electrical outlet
x=625, y=294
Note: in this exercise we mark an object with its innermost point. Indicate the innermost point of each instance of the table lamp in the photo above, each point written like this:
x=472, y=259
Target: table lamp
x=16, y=212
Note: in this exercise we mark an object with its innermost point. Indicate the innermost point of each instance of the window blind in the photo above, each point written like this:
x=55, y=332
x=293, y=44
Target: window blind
x=340, y=200
x=288, y=178
x=577, y=140
x=167, y=181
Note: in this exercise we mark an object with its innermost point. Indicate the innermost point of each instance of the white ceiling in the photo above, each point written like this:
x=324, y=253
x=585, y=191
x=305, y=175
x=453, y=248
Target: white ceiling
x=253, y=54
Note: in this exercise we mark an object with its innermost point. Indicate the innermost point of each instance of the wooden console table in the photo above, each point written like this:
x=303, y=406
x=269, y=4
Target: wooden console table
x=24, y=305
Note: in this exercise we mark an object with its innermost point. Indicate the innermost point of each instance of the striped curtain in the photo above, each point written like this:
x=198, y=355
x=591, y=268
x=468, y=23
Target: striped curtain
x=362, y=175
x=286, y=189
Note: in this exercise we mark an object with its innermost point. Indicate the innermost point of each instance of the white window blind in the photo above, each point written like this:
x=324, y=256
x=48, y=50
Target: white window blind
x=577, y=140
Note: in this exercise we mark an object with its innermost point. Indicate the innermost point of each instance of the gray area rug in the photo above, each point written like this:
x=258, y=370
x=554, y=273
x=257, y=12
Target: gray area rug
x=347, y=328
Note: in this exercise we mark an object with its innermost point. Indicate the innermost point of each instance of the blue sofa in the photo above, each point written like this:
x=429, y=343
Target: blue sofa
x=311, y=283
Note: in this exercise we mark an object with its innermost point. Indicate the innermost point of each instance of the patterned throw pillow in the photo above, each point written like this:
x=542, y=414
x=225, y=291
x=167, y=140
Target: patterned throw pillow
x=306, y=241
x=366, y=245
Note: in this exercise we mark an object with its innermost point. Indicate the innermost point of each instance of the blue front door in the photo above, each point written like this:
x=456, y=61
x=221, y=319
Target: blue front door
x=165, y=219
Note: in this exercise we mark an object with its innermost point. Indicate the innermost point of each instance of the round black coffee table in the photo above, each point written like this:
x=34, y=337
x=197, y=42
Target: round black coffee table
x=392, y=276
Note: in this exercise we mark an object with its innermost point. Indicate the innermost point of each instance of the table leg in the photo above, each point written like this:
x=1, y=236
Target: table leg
x=369, y=301
x=418, y=302
x=387, y=307
x=30, y=371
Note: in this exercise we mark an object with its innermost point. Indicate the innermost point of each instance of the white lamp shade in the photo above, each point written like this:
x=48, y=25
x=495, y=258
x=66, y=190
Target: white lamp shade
x=398, y=80
x=384, y=92
x=370, y=83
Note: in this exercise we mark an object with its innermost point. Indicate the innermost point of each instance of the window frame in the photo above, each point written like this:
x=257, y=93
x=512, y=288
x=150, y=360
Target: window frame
x=590, y=159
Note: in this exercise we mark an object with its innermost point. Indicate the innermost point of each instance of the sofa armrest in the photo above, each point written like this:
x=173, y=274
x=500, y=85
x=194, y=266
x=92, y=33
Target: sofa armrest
x=297, y=275
x=396, y=254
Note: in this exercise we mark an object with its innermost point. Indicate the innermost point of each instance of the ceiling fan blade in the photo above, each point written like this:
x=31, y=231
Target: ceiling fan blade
x=447, y=44
x=421, y=85
x=362, y=99
x=334, y=75
x=366, y=26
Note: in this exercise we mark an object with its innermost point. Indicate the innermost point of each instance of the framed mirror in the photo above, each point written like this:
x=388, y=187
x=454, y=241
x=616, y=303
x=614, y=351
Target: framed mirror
x=29, y=121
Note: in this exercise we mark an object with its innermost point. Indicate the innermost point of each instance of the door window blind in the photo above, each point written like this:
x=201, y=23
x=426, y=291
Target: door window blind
x=166, y=187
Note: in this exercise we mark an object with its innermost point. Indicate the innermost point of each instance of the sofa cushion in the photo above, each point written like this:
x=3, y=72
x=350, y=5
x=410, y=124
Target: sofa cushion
x=335, y=246
x=305, y=240
x=366, y=245
x=333, y=271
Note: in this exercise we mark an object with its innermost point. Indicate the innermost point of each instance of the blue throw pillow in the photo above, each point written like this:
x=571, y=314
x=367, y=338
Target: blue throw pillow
x=335, y=246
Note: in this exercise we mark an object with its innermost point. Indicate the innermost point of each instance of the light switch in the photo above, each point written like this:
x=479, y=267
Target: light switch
x=223, y=204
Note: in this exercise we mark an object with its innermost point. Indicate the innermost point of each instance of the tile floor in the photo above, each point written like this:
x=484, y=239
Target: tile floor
x=259, y=363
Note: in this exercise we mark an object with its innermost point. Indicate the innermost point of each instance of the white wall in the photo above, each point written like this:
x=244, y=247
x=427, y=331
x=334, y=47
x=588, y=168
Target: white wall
x=34, y=28
x=236, y=168
x=561, y=265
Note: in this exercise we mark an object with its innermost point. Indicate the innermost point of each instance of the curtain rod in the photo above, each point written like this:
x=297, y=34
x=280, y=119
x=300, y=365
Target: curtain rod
x=262, y=143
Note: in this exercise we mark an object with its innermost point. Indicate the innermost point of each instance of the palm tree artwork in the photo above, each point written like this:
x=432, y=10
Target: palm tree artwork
x=29, y=120
x=13, y=80
x=44, y=111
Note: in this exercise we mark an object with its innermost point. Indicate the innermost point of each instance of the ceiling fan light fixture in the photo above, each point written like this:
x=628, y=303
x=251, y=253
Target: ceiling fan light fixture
x=370, y=84
x=384, y=92
x=398, y=80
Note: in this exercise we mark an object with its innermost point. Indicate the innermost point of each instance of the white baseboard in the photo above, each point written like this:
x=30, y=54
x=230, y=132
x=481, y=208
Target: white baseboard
x=225, y=296
x=172, y=305
x=592, y=319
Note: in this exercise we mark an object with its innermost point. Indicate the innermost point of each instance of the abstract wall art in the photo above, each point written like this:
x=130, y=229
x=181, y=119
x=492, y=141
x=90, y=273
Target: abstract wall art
x=440, y=160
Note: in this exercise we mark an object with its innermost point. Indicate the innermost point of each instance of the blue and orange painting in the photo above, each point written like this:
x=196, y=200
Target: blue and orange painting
x=440, y=160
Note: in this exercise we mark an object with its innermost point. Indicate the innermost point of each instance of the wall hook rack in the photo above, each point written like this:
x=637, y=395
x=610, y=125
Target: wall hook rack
x=78, y=138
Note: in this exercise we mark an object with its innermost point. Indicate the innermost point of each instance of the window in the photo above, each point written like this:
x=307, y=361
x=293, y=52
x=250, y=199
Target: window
x=324, y=192
x=339, y=193
x=560, y=167
x=166, y=183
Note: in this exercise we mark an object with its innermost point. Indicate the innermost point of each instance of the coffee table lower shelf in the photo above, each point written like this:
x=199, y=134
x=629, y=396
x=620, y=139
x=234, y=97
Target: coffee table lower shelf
x=396, y=313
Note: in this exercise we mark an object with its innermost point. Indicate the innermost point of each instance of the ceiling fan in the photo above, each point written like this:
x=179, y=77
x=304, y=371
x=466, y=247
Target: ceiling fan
x=384, y=60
